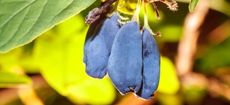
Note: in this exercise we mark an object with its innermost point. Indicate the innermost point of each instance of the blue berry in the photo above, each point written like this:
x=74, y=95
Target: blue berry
x=109, y=30
x=151, y=66
x=98, y=46
x=125, y=61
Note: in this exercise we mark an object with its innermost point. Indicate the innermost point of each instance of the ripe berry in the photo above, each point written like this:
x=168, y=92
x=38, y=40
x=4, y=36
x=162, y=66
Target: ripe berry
x=98, y=45
x=151, y=66
x=125, y=61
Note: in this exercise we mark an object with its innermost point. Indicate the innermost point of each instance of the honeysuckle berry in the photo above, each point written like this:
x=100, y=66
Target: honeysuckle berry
x=98, y=46
x=125, y=61
x=151, y=66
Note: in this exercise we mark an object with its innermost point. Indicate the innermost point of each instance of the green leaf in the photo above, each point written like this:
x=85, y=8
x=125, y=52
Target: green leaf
x=215, y=57
x=192, y=5
x=169, y=83
x=8, y=79
x=21, y=21
x=194, y=94
x=19, y=57
x=59, y=55
x=171, y=33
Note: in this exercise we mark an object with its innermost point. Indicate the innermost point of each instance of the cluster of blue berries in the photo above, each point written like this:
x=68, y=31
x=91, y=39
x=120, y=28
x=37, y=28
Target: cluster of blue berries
x=128, y=53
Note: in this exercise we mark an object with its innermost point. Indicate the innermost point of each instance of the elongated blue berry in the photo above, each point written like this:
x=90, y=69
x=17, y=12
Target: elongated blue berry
x=125, y=61
x=98, y=47
x=151, y=66
x=109, y=30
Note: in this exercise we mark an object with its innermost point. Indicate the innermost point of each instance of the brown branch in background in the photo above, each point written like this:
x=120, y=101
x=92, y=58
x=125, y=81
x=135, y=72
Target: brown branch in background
x=187, y=49
x=215, y=37
x=28, y=96
x=218, y=88
x=7, y=95
x=188, y=43
x=214, y=86
x=26, y=92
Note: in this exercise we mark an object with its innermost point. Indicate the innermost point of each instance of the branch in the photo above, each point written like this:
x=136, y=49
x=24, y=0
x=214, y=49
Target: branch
x=188, y=43
x=97, y=13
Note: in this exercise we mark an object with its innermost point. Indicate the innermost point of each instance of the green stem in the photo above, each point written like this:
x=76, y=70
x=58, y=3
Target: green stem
x=146, y=22
x=137, y=12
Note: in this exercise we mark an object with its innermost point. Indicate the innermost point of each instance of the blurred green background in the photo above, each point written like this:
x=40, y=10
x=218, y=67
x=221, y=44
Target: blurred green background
x=50, y=70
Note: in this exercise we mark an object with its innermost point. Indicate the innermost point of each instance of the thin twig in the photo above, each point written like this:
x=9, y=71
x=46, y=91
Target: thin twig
x=156, y=9
x=97, y=13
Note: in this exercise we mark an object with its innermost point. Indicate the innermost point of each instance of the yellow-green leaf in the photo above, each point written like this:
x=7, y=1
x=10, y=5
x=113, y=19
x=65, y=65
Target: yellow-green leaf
x=192, y=5
x=169, y=82
x=9, y=79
